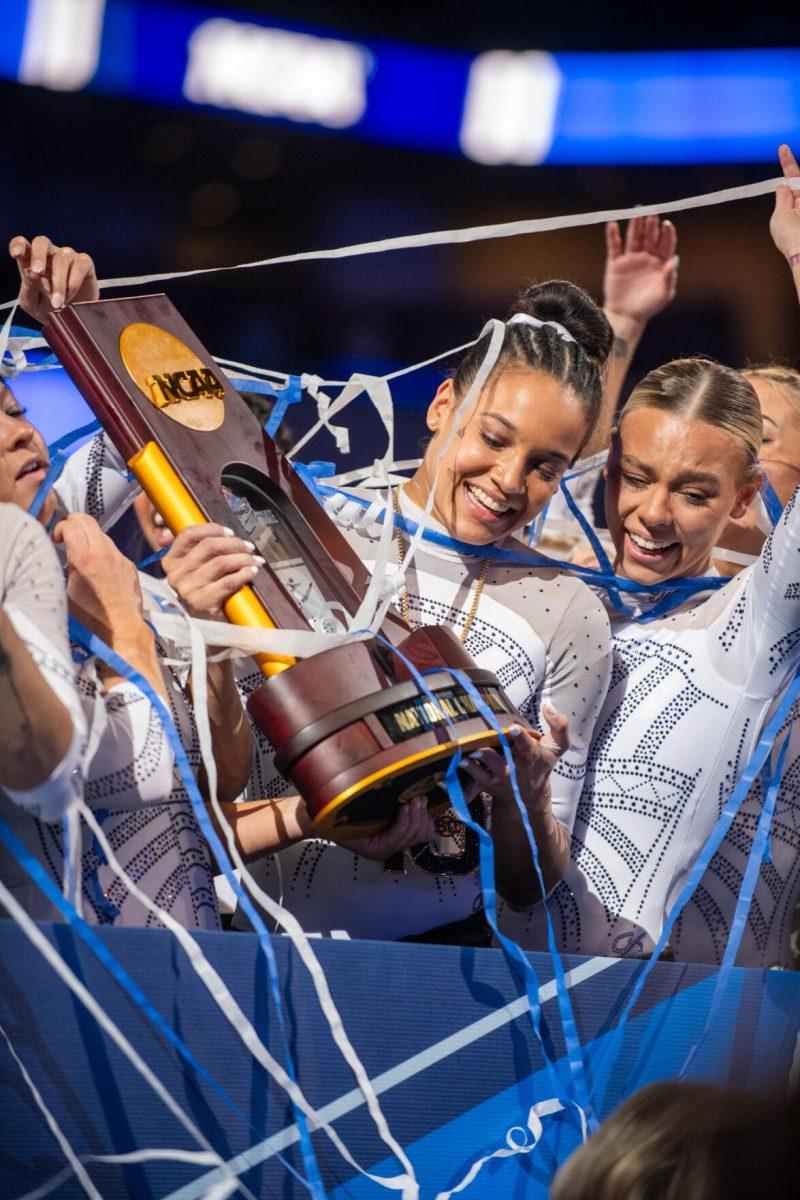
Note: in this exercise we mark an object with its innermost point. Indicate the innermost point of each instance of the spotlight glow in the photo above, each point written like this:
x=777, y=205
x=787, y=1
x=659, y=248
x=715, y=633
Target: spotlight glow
x=272, y=72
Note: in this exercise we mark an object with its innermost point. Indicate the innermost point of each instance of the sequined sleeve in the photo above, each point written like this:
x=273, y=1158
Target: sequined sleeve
x=128, y=761
x=756, y=640
x=576, y=683
x=95, y=480
x=33, y=595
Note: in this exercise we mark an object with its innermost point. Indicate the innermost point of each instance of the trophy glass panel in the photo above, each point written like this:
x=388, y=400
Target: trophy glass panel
x=262, y=511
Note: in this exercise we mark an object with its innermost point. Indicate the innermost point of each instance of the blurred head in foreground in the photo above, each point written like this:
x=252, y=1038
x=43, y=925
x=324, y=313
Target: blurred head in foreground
x=688, y=1141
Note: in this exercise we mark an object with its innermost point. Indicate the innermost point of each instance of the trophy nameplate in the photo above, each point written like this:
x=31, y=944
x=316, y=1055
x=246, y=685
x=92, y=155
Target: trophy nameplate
x=350, y=727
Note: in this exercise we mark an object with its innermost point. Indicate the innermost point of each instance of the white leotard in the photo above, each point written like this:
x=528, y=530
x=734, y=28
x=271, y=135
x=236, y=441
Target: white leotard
x=689, y=695
x=32, y=593
x=546, y=637
x=128, y=769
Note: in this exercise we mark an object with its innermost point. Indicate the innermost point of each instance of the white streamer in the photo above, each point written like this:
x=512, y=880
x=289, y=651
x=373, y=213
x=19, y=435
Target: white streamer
x=376, y=388
x=5, y=334
x=534, y=1128
x=198, y=1158
x=52, y=956
x=208, y=975
x=498, y=332
x=406, y=1183
x=53, y=1125
x=476, y=233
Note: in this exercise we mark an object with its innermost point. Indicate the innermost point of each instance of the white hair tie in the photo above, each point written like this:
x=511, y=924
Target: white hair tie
x=521, y=318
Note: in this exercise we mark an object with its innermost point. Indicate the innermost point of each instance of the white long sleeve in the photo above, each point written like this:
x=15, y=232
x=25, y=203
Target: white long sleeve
x=32, y=592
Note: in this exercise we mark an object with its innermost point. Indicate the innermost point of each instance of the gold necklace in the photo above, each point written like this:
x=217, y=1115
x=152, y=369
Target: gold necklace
x=404, y=605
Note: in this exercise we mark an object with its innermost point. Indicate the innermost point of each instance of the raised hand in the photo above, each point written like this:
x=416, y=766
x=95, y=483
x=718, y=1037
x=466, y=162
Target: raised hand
x=785, y=221
x=51, y=276
x=641, y=276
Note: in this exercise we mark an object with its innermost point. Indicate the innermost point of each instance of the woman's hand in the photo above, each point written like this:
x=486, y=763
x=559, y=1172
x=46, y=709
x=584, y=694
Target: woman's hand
x=102, y=584
x=103, y=592
x=51, y=276
x=205, y=565
x=413, y=825
x=785, y=221
x=534, y=759
x=640, y=278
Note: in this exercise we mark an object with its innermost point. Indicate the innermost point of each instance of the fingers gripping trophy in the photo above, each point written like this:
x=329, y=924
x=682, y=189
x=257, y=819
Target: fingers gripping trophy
x=352, y=730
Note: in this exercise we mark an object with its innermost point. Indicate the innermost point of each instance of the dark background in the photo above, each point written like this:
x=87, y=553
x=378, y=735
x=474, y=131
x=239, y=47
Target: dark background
x=148, y=189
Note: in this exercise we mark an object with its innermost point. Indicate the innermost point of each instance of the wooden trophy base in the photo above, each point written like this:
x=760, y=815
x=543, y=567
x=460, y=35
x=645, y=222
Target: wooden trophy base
x=357, y=740
x=373, y=804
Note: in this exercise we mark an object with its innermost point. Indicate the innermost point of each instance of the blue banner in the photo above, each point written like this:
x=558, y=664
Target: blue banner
x=498, y=107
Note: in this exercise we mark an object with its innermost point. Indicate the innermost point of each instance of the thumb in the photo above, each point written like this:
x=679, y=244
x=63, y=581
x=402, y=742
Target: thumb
x=784, y=200
x=671, y=266
x=558, y=727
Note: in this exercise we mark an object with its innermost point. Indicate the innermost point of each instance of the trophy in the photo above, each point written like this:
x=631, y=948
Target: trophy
x=351, y=729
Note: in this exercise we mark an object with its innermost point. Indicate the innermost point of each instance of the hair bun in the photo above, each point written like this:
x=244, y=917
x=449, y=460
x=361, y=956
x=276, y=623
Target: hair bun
x=564, y=302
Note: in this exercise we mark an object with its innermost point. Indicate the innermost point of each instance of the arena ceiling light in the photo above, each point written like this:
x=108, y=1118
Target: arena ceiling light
x=277, y=73
x=61, y=47
x=501, y=107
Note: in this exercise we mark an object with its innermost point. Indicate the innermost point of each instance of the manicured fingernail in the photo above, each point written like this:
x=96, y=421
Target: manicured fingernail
x=676, y=262
x=257, y=558
x=254, y=570
x=250, y=545
x=228, y=532
x=515, y=730
x=547, y=707
x=37, y=267
x=57, y=299
x=16, y=251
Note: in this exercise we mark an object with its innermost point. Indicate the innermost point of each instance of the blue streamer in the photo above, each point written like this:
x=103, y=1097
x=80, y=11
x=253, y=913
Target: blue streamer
x=291, y=393
x=771, y=502
x=34, y=869
x=152, y=558
x=749, y=881
x=698, y=868
x=577, y=1090
x=676, y=590
x=96, y=646
x=311, y=472
x=86, y=933
x=20, y=331
x=102, y=902
x=58, y=457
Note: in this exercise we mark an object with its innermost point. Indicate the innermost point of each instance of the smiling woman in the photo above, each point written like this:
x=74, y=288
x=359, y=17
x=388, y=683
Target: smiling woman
x=691, y=691
x=682, y=464
x=487, y=472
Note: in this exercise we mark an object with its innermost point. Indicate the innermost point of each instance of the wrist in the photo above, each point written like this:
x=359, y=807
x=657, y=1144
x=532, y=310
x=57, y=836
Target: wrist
x=625, y=327
x=540, y=806
x=132, y=640
x=793, y=258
